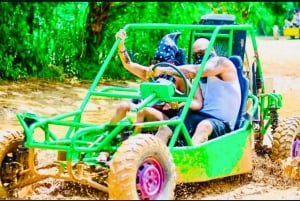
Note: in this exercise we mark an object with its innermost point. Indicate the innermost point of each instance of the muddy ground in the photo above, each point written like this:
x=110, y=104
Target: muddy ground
x=281, y=62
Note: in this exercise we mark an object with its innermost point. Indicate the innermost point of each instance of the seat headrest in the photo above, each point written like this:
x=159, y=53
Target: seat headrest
x=237, y=61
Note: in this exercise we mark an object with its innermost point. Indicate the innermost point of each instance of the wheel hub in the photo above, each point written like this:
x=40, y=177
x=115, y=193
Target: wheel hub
x=150, y=179
x=295, y=149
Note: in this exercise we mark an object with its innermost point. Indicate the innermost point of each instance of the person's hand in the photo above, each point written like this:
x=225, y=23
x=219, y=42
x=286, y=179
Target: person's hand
x=171, y=105
x=153, y=73
x=149, y=73
x=121, y=34
x=157, y=72
x=166, y=106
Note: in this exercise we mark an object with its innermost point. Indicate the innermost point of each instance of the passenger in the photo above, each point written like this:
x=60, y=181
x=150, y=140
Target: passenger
x=167, y=52
x=219, y=92
x=296, y=19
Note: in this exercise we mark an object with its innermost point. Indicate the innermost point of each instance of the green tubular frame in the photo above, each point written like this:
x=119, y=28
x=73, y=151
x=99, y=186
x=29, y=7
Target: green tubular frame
x=214, y=159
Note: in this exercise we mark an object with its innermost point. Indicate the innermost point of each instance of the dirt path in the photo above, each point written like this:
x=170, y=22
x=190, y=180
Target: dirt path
x=280, y=59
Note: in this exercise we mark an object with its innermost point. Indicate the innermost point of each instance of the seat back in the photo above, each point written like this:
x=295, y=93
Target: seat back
x=244, y=85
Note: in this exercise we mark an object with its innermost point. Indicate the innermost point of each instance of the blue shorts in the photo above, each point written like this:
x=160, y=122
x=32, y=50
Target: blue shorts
x=192, y=120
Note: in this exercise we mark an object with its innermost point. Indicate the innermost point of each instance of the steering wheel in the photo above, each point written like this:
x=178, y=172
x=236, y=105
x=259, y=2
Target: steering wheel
x=181, y=75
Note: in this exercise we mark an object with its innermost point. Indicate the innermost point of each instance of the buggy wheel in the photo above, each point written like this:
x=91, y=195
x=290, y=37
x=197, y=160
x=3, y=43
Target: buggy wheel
x=10, y=141
x=142, y=169
x=286, y=139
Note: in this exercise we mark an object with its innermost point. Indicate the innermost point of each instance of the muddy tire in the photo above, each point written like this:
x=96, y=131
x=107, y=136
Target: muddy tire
x=286, y=139
x=142, y=169
x=9, y=143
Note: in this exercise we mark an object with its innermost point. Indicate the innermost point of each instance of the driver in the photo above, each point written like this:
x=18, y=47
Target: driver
x=219, y=91
x=167, y=51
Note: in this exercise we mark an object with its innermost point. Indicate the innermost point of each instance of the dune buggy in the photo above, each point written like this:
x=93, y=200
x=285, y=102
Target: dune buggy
x=289, y=29
x=142, y=167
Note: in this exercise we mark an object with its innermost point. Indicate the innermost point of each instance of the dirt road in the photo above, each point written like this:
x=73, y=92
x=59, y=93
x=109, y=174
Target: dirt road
x=280, y=60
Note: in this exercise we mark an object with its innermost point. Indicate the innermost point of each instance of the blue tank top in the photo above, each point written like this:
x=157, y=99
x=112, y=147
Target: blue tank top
x=222, y=99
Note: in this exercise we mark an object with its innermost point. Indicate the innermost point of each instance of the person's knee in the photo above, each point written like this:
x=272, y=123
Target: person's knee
x=202, y=132
x=144, y=112
x=205, y=126
x=124, y=106
x=164, y=133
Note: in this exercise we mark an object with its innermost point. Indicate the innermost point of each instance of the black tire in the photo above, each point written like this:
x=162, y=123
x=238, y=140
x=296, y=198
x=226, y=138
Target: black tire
x=286, y=139
x=9, y=143
x=142, y=169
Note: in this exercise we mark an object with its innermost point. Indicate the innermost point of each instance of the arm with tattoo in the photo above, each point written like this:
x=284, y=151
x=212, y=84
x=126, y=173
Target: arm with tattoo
x=214, y=67
x=123, y=54
x=189, y=70
x=122, y=49
x=132, y=67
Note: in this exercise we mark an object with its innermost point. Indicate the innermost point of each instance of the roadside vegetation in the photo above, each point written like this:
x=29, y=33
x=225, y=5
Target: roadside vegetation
x=59, y=40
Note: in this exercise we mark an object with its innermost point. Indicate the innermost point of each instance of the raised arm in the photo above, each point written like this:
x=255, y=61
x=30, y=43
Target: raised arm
x=134, y=68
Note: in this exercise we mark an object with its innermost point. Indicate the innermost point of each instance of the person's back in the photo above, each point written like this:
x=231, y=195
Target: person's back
x=218, y=101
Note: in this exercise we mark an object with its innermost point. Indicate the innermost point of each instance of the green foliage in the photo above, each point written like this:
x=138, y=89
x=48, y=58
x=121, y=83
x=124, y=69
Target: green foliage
x=38, y=35
x=56, y=40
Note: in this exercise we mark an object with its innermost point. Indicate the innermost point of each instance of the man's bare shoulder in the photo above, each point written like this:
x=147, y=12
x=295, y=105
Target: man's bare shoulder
x=215, y=62
x=224, y=61
x=221, y=64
